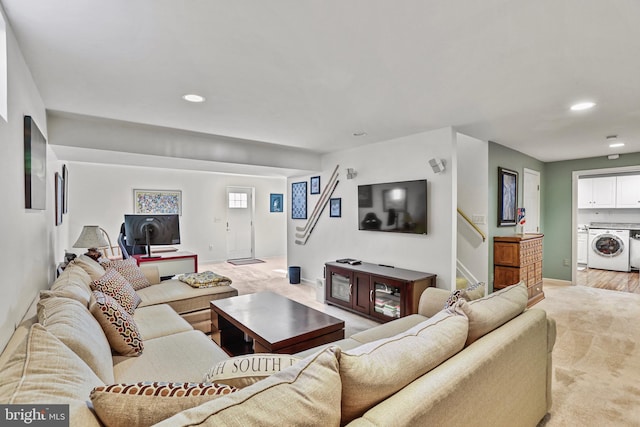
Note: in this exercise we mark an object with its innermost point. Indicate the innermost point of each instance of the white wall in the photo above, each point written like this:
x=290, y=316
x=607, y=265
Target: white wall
x=30, y=244
x=395, y=160
x=102, y=194
x=473, y=187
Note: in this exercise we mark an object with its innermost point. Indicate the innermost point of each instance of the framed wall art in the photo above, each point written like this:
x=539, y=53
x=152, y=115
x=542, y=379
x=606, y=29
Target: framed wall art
x=275, y=203
x=157, y=201
x=59, y=184
x=315, y=185
x=35, y=166
x=65, y=189
x=507, y=197
x=299, y=200
x=335, y=208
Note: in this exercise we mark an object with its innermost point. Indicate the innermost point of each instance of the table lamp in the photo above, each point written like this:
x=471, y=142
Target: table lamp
x=91, y=238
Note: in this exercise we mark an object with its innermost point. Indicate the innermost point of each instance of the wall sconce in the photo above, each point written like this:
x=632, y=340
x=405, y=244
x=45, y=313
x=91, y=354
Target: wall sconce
x=437, y=165
x=351, y=173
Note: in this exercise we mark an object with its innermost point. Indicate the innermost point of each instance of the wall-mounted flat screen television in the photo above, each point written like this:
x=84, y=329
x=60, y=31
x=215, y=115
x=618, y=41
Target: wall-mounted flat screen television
x=399, y=207
x=152, y=229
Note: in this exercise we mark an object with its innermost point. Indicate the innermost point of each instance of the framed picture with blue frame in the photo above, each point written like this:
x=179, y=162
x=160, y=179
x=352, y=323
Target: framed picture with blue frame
x=299, y=200
x=276, y=203
x=315, y=185
x=335, y=207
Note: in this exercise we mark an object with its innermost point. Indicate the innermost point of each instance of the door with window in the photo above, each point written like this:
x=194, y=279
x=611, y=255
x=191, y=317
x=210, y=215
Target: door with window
x=240, y=233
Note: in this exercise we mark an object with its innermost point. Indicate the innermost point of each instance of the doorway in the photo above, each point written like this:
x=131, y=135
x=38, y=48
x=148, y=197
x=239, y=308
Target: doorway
x=531, y=200
x=240, y=232
x=594, y=207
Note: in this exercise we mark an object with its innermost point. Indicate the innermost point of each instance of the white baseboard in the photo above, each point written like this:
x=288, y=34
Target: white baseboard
x=558, y=282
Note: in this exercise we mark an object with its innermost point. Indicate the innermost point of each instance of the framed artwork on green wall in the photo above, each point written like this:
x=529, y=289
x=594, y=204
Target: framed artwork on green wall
x=507, y=197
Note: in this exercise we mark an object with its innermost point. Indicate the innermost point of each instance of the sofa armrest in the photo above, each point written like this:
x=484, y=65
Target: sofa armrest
x=151, y=272
x=432, y=301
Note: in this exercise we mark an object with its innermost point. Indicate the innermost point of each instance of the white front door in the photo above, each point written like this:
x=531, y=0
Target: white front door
x=240, y=222
x=531, y=200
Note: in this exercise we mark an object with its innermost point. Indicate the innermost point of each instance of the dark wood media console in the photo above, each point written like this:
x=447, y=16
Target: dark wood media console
x=375, y=291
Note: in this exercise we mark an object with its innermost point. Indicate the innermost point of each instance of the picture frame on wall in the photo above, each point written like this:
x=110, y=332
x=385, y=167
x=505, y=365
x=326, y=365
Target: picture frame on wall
x=335, y=207
x=65, y=189
x=299, y=200
x=507, y=197
x=315, y=185
x=59, y=185
x=157, y=201
x=35, y=166
x=276, y=203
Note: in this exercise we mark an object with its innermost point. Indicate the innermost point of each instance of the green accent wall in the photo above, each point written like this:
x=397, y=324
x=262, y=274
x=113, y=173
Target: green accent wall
x=501, y=156
x=557, y=208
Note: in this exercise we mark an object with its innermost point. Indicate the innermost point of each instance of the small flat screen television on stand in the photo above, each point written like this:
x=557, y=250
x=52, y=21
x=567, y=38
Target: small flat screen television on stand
x=151, y=230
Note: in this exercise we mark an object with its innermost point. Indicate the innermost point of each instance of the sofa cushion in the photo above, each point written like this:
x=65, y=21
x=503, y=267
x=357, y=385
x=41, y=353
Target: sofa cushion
x=146, y=403
x=92, y=267
x=242, y=371
x=307, y=393
x=72, y=323
x=389, y=329
x=73, y=282
x=494, y=310
x=44, y=370
x=181, y=357
x=473, y=292
x=118, y=325
x=129, y=269
x=376, y=370
x=158, y=321
x=182, y=297
x=113, y=284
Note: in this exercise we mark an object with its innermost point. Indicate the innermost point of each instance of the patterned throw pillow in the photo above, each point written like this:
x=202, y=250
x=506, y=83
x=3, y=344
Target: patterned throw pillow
x=471, y=293
x=129, y=269
x=147, y=403
x=117, y=287
x=242, y=371
x=118, y=325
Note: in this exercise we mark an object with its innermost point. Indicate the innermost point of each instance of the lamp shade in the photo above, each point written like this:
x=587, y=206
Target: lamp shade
x=91, y=237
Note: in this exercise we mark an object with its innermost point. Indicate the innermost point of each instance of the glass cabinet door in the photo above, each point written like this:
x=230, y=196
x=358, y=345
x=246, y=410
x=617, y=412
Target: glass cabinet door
x=340, y=287
x=386, y=300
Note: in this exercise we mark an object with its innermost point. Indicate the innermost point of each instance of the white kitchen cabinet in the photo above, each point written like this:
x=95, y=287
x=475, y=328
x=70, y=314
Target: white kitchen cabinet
x=597, y=192
x=628, y=191
x=583, y=248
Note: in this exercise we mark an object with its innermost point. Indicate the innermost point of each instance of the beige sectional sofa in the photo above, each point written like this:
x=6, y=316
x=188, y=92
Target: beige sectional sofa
x=485, y=362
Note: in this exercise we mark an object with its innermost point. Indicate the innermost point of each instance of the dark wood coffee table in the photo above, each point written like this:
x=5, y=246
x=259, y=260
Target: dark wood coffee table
x=266, y=322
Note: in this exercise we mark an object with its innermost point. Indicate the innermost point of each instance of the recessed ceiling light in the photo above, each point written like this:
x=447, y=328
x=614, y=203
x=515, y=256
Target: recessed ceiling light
x=582, y=106
x=359, y=134
x=616, y=145
x=192, y=97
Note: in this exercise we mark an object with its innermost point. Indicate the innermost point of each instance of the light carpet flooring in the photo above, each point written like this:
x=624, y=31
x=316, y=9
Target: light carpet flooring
x=596, y=358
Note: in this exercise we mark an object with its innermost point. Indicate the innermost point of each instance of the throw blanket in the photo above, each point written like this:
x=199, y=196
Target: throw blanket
x=205, y=279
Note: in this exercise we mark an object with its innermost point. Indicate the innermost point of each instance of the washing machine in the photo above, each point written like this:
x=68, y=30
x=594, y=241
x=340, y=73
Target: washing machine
x=608, y=249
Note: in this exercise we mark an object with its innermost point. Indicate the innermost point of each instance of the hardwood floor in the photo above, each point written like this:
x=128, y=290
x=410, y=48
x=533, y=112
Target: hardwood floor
x=613, y=280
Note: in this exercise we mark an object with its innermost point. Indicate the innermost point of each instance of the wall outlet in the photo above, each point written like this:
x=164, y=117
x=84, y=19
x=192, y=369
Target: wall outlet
x=479, y=219
x=565, y=262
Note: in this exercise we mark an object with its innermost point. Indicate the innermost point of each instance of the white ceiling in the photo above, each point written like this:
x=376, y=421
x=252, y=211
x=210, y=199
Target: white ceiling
x=311, y=73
